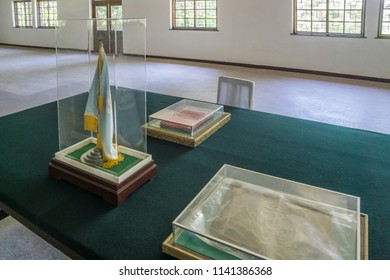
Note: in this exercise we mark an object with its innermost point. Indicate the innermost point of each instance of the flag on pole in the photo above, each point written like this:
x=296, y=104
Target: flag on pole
x=98, y=116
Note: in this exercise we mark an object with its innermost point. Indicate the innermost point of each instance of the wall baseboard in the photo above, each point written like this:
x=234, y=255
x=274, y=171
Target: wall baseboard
x=276, y=68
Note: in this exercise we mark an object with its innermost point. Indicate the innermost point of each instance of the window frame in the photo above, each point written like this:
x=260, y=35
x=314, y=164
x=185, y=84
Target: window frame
x=173, y=18
x=327, y=33
x=381, y=21
x=39, y=14
x=16, y=15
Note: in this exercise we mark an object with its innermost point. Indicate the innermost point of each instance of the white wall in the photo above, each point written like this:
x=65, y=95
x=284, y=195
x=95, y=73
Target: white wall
x=250, y=31
x=259, y=32
x=69, y=9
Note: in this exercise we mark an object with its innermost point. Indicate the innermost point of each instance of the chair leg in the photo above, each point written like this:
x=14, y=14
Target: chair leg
x=3, y=214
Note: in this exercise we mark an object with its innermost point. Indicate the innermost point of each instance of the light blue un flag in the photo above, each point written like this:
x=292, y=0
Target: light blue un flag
x=98, y=116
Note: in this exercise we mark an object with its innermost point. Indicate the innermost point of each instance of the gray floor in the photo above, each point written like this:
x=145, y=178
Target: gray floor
x=28, y=79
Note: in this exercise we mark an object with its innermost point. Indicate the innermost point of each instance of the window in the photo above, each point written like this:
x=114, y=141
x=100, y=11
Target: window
x=47, y=13
x=103, y=9
x=23, y=14
x=329, y=17
x=194, y=14
x=384, y=25
x=35, y=13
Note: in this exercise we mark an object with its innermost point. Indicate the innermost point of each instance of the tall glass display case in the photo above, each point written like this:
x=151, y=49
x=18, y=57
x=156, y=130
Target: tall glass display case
x=101, y=90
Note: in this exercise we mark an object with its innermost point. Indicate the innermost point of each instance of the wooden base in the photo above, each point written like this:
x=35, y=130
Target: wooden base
x=114, y=193
x=169, y=246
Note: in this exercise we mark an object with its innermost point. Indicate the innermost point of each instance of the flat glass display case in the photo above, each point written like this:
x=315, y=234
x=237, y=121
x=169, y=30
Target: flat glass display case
x=241, y=214
x=186, y=116
x=187, y=122
x=101, y=93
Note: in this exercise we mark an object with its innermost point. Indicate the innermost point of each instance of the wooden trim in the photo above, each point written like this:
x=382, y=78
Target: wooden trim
x=27, y=46
x=277, y=68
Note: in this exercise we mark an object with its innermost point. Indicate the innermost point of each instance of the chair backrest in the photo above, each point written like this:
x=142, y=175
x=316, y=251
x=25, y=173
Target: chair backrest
x=235, y=92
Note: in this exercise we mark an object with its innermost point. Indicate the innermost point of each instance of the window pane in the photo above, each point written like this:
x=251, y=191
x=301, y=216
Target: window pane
x=101, y=13
x=319, y=15
x=319, y=4
x=336, y=27
x=116, y=13
x=352, y=27
x=336, y=15
x=303, y=4
x=304, y=15
x=211, y=23
x=354, y=4
x=201, y=23
x=386, y=15
x=336, y=4
x=304, y=26
x=386, y=28
x=319, y=27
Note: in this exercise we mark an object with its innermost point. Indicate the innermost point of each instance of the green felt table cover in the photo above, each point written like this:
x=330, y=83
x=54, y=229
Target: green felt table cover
x=347, y=160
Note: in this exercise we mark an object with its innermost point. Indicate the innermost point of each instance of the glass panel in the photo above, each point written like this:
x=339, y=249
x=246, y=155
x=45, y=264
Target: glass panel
x=200, y=4
x=355, y=16
x=386, y=15
x=386, y=28
x=76, y=68
x=303, y=4
x=336, y=15
x=189, y=4
x=319, y=27
x=353, y=27
x=304, y=15
x=101, y=13
x=304, y=26
x=116, y=13
x=211, y=4
x=319, y=4
x=190, y=14
x=200, y=14
x=319, y=15
x=354, y=4
x=211, y=23
x=180, y=4
x=336, y=27
x=336, y=4
x=189, y=22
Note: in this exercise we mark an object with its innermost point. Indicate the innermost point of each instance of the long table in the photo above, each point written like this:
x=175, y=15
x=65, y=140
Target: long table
x=81, y=224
